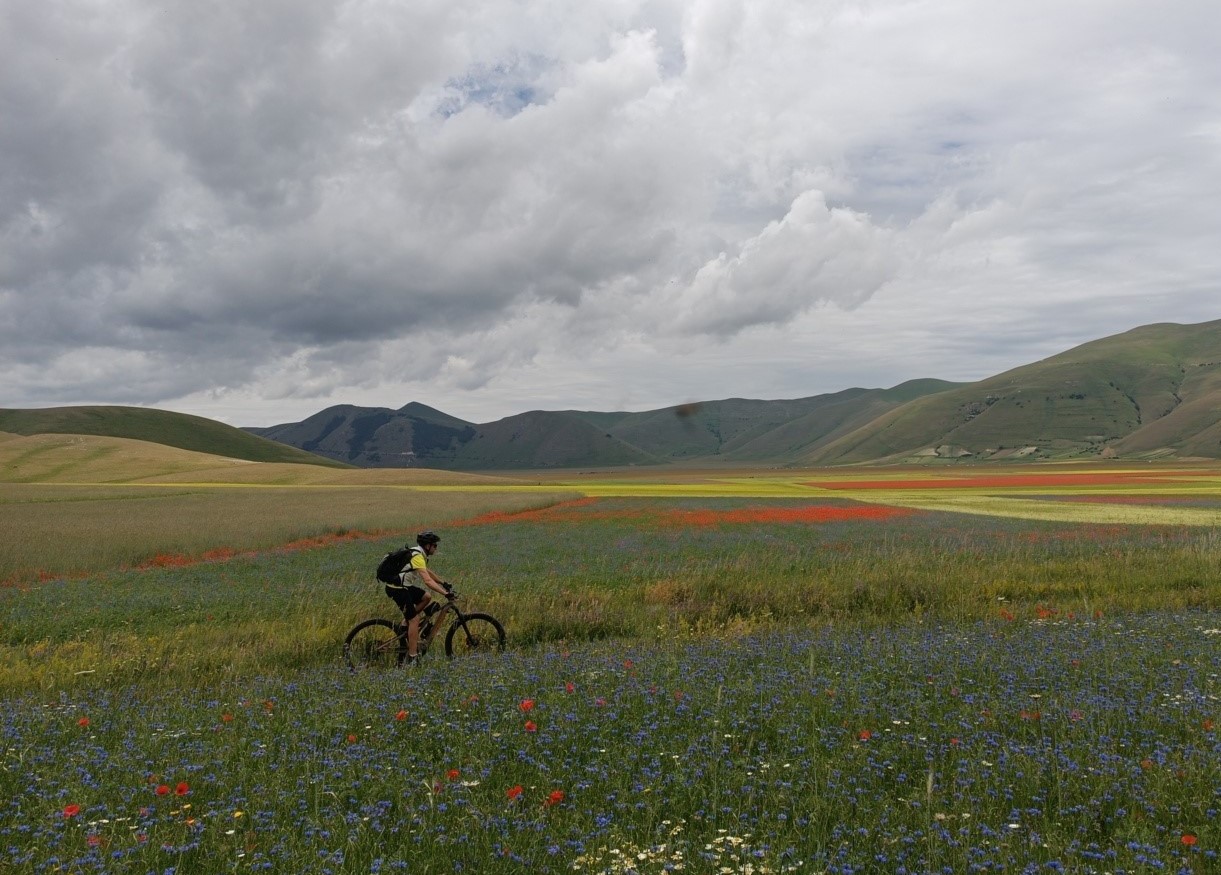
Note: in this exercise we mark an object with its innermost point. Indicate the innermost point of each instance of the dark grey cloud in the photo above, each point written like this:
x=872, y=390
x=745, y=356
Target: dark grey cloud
x=233, y=207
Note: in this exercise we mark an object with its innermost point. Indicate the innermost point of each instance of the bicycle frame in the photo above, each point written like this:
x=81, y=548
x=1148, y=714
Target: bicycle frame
x=431, y=625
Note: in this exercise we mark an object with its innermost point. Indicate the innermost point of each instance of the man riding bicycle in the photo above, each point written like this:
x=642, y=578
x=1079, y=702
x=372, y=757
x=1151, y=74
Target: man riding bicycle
x=412, y=598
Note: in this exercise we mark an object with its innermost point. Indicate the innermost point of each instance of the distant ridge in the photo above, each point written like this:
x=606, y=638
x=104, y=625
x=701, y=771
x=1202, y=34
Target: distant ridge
x=179, y=430
x=732, y=431
x=1150, y=393
x=1153, y=392
x=377, y=437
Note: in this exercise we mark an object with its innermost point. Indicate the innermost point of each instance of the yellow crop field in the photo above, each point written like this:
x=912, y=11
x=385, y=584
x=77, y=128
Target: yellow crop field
x=1147, y=495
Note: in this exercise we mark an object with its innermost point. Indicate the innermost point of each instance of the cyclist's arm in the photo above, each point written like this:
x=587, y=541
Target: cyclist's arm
x=426, y=577
x=433, y=582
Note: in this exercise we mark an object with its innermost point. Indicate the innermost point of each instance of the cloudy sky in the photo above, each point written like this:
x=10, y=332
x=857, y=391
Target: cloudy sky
x=251, y=211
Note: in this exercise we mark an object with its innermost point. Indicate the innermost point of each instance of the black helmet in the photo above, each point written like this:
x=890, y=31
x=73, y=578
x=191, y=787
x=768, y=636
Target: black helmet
x=424, y=538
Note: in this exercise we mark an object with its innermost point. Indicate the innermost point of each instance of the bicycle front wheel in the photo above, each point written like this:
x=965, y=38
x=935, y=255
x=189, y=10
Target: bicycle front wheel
x=374, y=644
x=472, y=633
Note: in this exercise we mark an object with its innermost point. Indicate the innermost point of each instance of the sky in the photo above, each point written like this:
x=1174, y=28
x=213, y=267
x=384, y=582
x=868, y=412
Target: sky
x=253, y=211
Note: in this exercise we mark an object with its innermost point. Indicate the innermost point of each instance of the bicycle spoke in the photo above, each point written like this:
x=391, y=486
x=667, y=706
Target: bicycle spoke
x=374, y=644
x=474, y=633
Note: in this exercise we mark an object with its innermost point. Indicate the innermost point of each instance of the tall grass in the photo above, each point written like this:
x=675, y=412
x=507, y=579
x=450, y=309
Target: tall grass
x=613, y=568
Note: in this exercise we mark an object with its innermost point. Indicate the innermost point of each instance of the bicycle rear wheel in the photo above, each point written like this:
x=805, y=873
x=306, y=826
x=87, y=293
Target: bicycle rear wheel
x=374, y=644
x=472, y=633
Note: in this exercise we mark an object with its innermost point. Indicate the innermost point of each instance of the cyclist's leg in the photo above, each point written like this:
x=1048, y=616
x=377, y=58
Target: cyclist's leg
x=418, y=600
x=402, y=600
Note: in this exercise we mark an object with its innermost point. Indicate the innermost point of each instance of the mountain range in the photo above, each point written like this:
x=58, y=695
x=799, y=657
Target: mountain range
x=1152, y=392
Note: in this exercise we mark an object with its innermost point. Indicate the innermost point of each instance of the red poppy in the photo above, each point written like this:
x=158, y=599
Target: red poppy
x=83, y=722
x=93, y=840
x=182, y=789
x=678, y=695
x=401, y=715
x=352, y=738
x=526, y=705
x=569, y=687
x=71, y=810
x=226, y=718
x=1146, y=764
x=1188, y=839
x=600, y=702
x=452, y=774
x=162, y=790
x=1208, y=724
x=864, y=735
x=531, y=726
x=954, y=742
x=555, y=798
x=514, y=793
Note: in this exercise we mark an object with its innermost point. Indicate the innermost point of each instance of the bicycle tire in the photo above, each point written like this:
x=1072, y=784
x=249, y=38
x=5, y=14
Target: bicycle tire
x=374, y=644
x=473, y=633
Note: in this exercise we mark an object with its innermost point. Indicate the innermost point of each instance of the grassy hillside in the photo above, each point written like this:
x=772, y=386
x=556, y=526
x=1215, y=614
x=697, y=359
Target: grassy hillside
x=748, y=430
x=835, y=416
x=541, y=439
x=1155, y=390
x=63, y=458
x=155, y=426
x=691, y=431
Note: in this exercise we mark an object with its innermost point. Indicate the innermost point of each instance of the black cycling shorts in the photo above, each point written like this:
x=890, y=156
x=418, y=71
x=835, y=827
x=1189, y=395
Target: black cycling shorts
x=406, y=598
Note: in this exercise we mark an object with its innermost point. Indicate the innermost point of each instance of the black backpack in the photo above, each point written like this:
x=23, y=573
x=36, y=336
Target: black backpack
x=389, y=569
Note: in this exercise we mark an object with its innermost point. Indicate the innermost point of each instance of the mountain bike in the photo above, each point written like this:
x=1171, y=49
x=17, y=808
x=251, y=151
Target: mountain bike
x=380, y=643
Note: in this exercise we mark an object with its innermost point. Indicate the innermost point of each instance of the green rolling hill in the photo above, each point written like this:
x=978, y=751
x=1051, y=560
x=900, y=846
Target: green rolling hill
x=180, y=430
x=1151, y=392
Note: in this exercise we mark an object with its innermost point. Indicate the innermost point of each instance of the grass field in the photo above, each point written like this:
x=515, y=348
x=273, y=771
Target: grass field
x=829, y=671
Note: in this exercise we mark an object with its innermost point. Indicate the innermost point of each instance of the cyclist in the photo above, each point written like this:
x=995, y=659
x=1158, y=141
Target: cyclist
x=412, y=598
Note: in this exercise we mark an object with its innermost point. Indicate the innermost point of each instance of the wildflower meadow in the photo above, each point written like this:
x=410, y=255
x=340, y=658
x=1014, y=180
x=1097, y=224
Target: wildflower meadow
x=752, y=681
